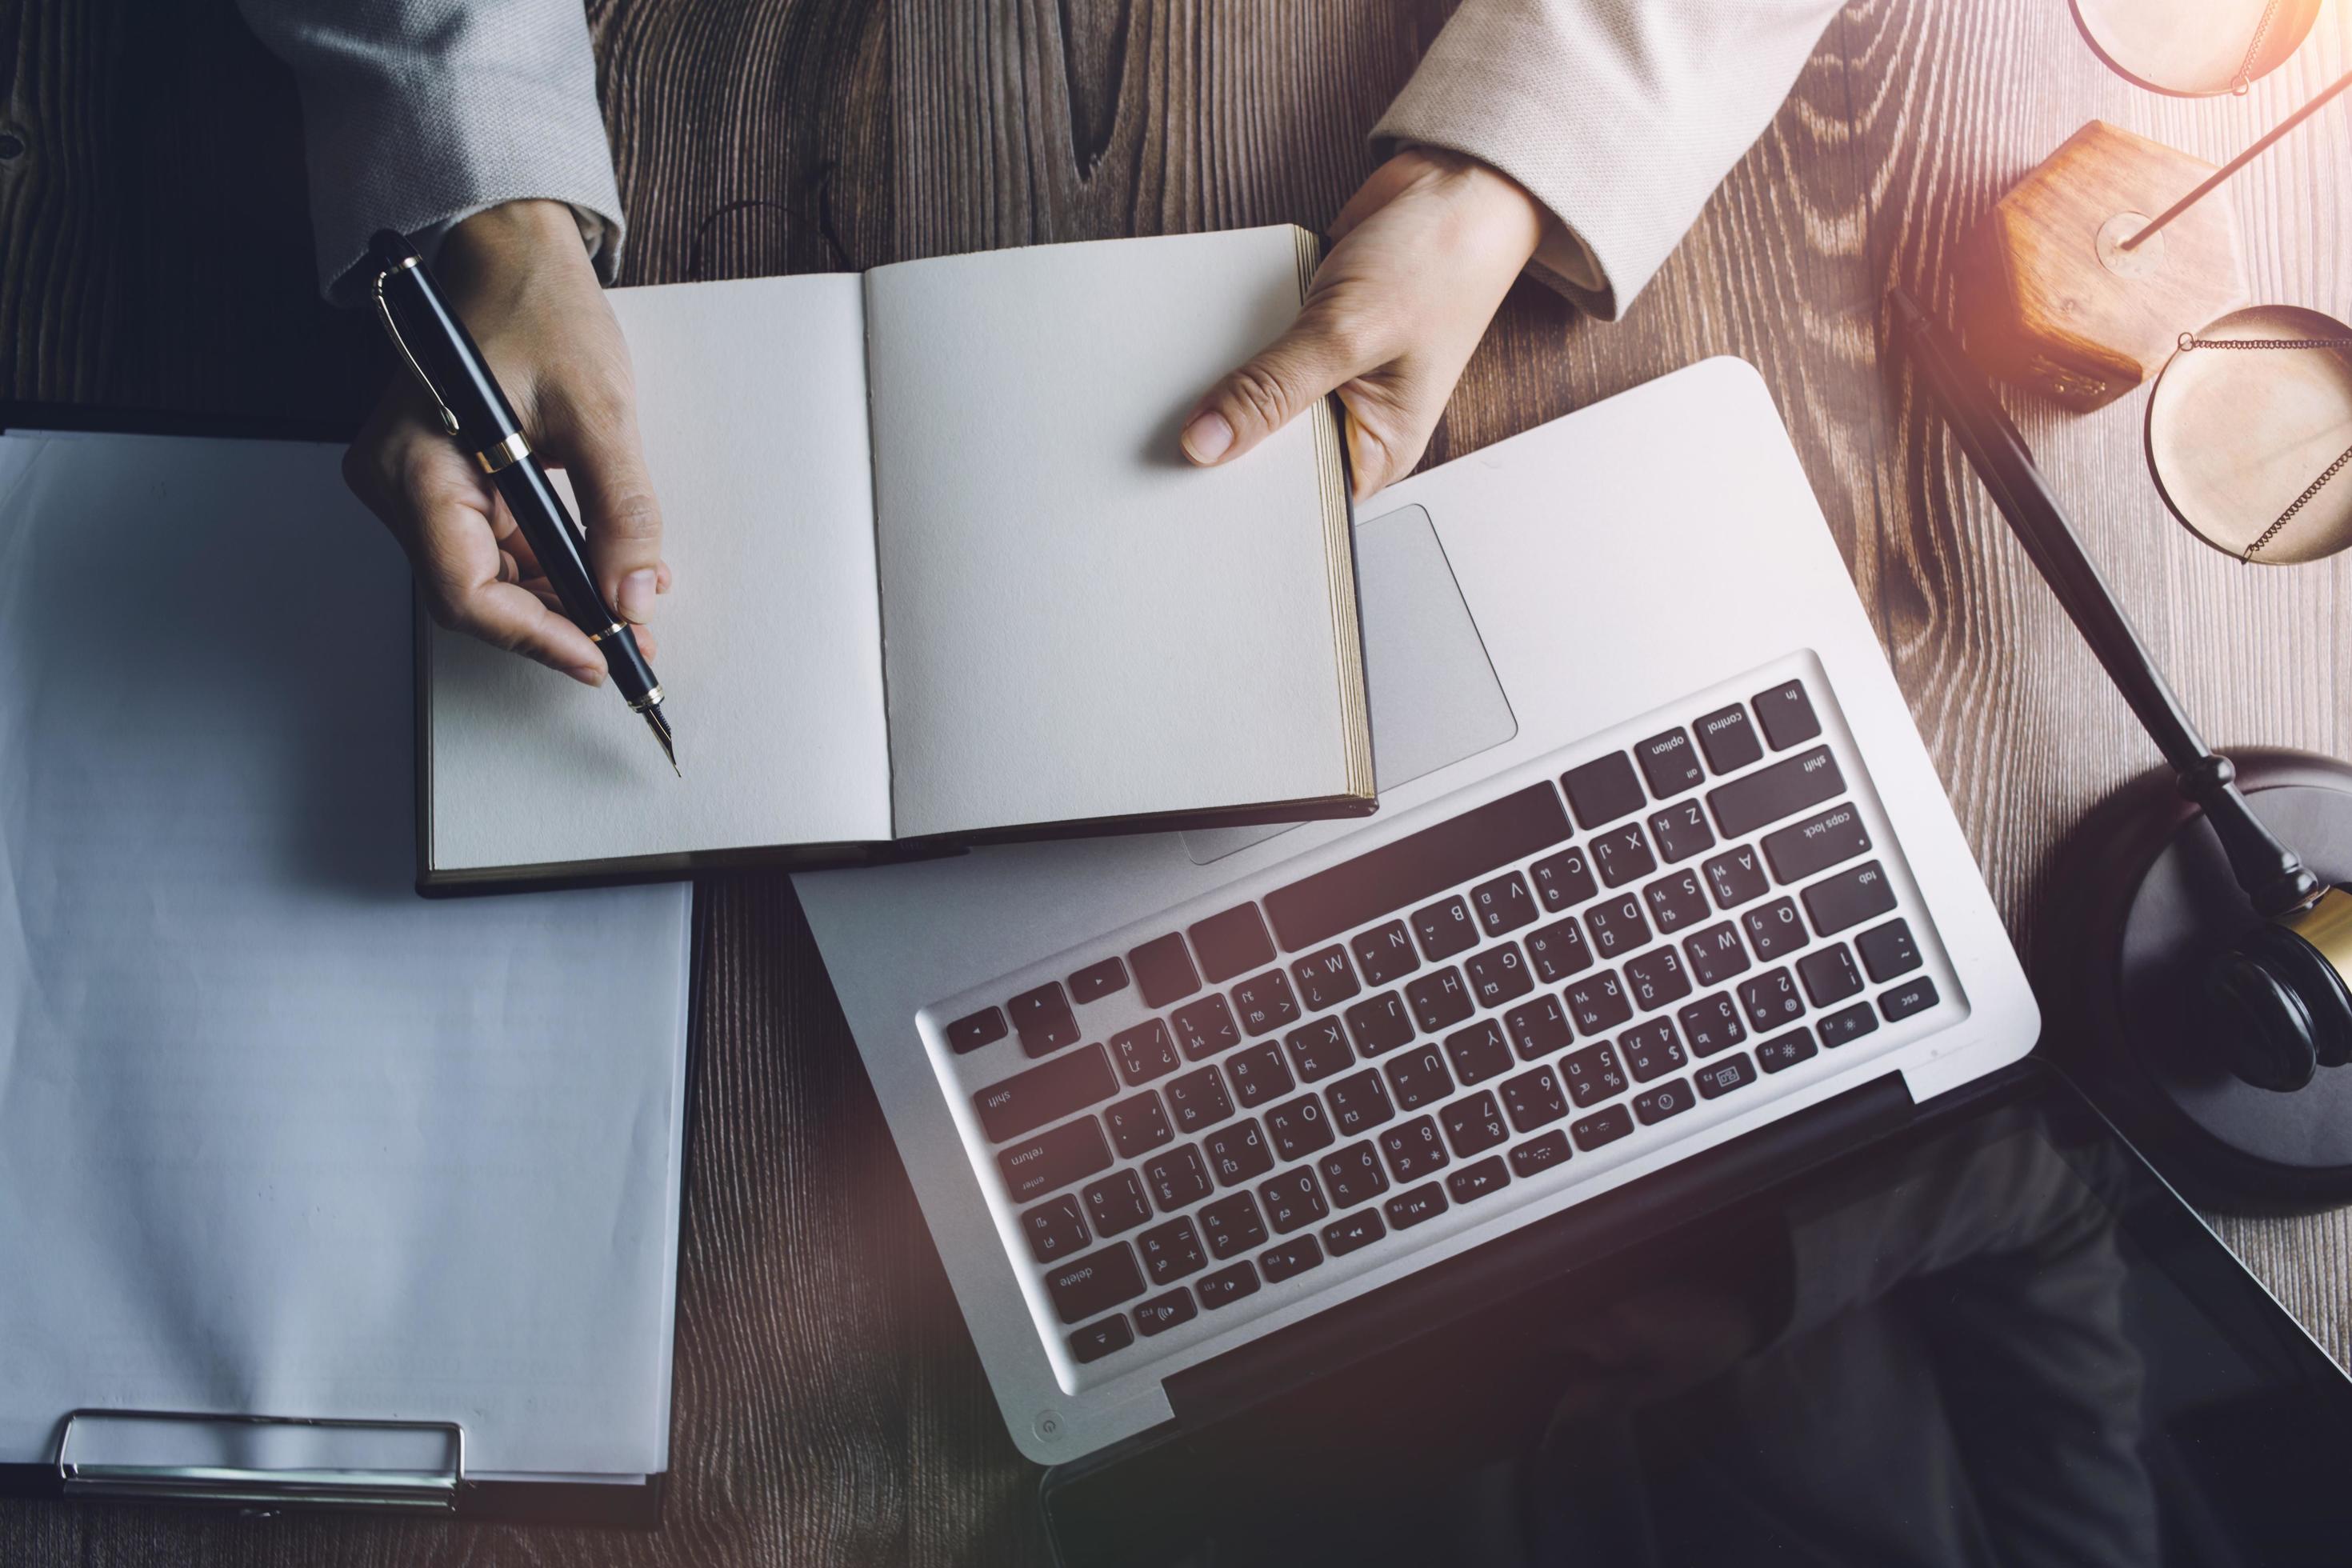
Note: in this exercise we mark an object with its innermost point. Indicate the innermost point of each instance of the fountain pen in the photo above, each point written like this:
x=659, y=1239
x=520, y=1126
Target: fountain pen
x=441, y=353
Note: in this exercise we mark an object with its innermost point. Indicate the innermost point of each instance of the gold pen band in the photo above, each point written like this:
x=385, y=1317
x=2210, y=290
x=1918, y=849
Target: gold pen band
x=613, y=630
x=506, y=453
x=648, y=700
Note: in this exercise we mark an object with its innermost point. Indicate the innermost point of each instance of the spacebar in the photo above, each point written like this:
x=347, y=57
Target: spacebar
x=1315, y=909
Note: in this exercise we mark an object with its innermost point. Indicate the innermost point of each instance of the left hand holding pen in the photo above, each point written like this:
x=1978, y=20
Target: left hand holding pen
x=1426, y=251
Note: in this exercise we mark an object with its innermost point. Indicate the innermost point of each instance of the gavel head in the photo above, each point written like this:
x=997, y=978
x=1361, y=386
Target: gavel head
x=2276, y=1002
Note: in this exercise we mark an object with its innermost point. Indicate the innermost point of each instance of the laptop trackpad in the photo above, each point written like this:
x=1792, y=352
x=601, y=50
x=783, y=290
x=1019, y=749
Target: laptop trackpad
x=1434, y=697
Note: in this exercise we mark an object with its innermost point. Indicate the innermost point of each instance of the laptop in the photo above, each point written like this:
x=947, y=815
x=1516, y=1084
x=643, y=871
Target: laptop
x=1663, y=894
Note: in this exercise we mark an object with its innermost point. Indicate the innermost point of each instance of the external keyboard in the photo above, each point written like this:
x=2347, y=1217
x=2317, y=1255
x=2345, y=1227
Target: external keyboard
x=1225, y=1109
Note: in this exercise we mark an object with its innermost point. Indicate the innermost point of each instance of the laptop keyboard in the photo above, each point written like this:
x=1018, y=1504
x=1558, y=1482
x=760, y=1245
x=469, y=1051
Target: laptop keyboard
x=1319, y=1070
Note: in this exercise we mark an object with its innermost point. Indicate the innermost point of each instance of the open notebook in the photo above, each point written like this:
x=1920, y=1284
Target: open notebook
x=941, y=573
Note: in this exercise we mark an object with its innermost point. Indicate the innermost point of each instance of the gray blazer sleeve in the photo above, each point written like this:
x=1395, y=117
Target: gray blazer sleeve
x=1621, y=116
x=417, y=113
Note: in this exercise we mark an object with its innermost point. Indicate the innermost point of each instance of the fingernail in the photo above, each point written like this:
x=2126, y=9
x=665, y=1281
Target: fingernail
x=1207, y=437
x=637, y=595
x=588, y=674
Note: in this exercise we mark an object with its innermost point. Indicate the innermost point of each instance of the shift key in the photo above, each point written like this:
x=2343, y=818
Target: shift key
x=1055, y=1159
x=1046, y=1093
x=1770, y=794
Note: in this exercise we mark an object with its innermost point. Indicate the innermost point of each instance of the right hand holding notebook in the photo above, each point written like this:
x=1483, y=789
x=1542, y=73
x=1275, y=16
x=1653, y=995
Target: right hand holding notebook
x=519, y=276
x=1426, y=252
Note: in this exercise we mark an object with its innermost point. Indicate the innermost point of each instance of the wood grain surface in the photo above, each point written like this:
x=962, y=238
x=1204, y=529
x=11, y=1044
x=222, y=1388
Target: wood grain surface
x=155, y=254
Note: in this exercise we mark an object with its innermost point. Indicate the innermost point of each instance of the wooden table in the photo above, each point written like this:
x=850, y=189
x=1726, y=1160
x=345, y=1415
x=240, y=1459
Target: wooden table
x=154, y=255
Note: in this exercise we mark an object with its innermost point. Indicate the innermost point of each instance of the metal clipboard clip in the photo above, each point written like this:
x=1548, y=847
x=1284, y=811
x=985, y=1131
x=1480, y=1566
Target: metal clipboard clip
x=435, y=1488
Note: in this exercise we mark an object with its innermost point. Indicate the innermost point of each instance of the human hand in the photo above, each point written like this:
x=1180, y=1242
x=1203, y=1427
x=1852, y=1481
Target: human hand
x=519, y=278
x=1426, y=251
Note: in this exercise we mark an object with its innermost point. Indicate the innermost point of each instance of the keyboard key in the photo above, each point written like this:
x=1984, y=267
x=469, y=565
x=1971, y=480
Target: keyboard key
x=1096, y=980
x=1911, y=996
x=1478, y=1052
x=1231, y=1226
x=1719, y=1079
x=1603, y=1126
x=1379, y=1023
x=1177, y=1179
x=1359, y=1102
x=1656, y=977
x=1041, y=1018
x=1557, y=951
x=1439, y=1000
x=1534, y=1100
x=1849, y=898
x=1538, y=1154
x=1786, y=714
x=1414, y=1149
x=1771, y=1000
x=1829, y=975
x=1669, y=764
x=1498, y=975
x=1563, y=881
x=1170, y=1251
x=1116, y=1203
x=1145, y=1052
x=1205, y=1027
x=1444, y=928
x=1163, y=970
x=1325, y=978
x=1299, y=1127
x=1047, y=1092
x=1504, y=904
x=1682, y=831
x=1408, y=1208
x=1602, y=790
x=1238, y=1153
x=1317, y=1049
x=1353, y=1174
x=1651, y=1050
x=1716, y=953
x=1846, y=1025
x=1768, y=795
x=1419, y=865
x=1787, y=1050
x=1598, y=1005
x=1622, y=854
x=974, y=1030
x=1616, y=926
x=1473, y=1124
x=1055, y=1159
x=1230, y=943
x=1666, y=1099
x=1162, y=1313
x=1418, y=1078
x=1197, y=1099
x=1824, y=839
x=1137, y=1125
x=1592, y=1074
x=1736, y=876
x=1294, y=1257
x=1258, y=1075
x=1292, y=1199
x=1345, y=1236
x=1385, y=953
x=1675, y=900
x=1095, y=1283
x=1055, y=1229
x=1729, y=740
x=1774, y=929
x=1711, y=1024
x=1096, y=1340
x=1473, y=1182
x=1888, y=950
x=1227, y=1285
x=1264, y=1002
x=1537, y=1029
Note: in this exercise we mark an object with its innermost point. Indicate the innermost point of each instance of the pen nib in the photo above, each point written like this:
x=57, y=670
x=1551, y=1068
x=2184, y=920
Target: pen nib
x=660, y=727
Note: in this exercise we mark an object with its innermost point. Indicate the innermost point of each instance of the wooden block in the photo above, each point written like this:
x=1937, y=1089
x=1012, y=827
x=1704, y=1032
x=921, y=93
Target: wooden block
x=2049, y=298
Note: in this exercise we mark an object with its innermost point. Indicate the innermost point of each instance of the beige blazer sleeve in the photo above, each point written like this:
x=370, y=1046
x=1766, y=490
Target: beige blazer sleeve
x=416, y=114
x=1621, y=116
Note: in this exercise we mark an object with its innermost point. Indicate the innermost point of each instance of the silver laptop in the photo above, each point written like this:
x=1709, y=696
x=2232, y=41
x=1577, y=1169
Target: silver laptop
x=1660, y=861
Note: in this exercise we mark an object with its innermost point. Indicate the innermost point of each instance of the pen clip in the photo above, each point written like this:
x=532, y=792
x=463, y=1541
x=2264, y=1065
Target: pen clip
x=383, y=309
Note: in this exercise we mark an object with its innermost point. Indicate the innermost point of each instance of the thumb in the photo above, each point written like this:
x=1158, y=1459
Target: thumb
x=1321, y=349
x=606, y=462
